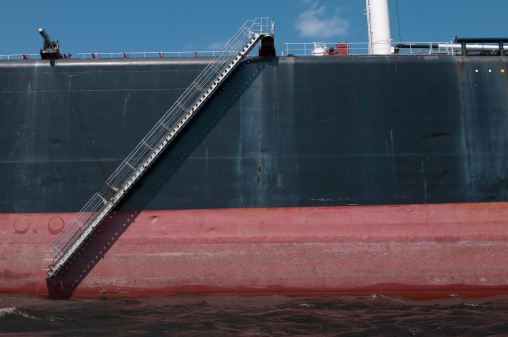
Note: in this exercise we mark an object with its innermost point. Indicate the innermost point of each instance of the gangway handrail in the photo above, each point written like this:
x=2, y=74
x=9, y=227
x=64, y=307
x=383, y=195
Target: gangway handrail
x=154, y=143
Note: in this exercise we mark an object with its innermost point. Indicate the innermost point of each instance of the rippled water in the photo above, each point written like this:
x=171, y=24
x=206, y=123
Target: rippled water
x=255, y=316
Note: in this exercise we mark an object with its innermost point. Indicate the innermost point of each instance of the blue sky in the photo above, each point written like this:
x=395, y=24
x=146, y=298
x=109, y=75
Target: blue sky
x=185, y=25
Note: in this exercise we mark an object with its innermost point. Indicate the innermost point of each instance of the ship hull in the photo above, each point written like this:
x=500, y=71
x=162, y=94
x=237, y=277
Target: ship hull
x=410, y=250
x=324, y=175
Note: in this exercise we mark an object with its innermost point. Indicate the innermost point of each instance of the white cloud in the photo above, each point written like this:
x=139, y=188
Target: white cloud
x=315, y=23
x=314, y=4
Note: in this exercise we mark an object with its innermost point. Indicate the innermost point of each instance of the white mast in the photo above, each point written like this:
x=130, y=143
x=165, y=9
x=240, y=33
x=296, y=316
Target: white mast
x=378, y=20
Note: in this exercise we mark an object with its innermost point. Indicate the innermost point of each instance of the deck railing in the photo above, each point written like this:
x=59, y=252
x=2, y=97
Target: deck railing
x=362, y=48
x=300, y=49
x=199, y=53
x=19, y=57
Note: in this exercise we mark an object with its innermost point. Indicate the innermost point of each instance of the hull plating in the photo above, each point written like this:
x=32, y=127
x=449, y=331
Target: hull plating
x=412, y=250
x=301, y=175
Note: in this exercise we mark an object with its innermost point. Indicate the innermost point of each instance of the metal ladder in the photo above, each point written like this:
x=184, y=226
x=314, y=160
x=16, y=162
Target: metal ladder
x=154, y=143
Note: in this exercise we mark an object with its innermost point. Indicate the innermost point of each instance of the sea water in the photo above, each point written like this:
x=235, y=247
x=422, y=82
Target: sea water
x=374, y=315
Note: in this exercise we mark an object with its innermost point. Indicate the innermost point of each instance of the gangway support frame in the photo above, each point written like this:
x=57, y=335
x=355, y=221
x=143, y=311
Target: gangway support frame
x=156, y=141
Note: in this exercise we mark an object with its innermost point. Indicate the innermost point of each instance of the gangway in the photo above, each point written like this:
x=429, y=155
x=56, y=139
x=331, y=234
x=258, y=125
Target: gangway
x=157, y=140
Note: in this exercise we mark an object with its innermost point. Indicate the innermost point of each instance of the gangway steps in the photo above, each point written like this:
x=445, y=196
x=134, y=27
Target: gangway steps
x=156, y=141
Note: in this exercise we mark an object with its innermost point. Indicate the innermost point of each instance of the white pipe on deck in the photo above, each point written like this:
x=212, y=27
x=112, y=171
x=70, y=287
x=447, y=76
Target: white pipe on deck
x=470, y=46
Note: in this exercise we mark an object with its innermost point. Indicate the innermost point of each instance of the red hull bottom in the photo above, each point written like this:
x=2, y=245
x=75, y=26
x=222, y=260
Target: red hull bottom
x=410, y=250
